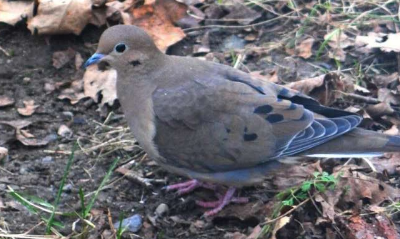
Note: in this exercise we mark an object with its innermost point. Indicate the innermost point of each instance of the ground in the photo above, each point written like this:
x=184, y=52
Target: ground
x=27, y=73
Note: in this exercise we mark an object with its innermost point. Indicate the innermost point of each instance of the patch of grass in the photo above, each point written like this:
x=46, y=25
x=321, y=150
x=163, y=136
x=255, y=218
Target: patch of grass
x=39, y=206
x=319, y=183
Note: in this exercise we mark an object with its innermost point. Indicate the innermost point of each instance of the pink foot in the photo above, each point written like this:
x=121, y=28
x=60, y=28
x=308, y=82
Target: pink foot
x=222, y=201
x=183, y=188
x=189, y=186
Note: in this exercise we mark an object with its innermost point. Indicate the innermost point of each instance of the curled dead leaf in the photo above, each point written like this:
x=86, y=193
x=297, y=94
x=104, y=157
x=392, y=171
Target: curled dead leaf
x=102, y=83
x=324, y=88
x=12, y=12
x=304, y=49
x=6, y=101
x=61, y=17
x=158, y=19
x=379, y=110
x=29, y=108
x=74, y=94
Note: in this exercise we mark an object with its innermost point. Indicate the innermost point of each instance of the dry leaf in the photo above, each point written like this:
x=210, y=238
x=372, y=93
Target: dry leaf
x=11, y=12
x=271, y=76
x=29, y=109
x=304, y=49
x=379, y=110
x=61, y=58
x=280, y=224
x=238, y=11
x=102, y=83
x=61, y=17
x=6, y=101
x=74, y=94
x=158, y=21
x=24, y=136
x=17, y=124
x=323, y=88
x=31, y=141
x=385, y=42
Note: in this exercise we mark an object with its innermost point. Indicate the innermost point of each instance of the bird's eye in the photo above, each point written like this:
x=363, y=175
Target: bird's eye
x=120, y=47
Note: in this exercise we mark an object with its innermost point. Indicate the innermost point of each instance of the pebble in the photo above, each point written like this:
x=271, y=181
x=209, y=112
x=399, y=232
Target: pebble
x=67, y=188
x=132, y=224
x=162, y=210
x=64, y=131
x=47, y=160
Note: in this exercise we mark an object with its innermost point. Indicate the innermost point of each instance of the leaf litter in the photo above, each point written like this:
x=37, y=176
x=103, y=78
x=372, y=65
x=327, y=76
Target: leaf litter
x=311, y=46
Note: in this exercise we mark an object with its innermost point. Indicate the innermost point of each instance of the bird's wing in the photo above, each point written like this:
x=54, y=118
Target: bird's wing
x=231, y=121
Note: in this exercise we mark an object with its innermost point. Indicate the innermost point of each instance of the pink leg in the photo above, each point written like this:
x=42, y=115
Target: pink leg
x=184, y=187
x=221, y=202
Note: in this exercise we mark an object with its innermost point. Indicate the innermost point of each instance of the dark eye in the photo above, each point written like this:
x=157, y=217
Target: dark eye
x=120, y=48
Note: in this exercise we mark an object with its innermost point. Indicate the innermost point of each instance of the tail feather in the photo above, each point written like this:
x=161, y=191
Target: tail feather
x=357, y=143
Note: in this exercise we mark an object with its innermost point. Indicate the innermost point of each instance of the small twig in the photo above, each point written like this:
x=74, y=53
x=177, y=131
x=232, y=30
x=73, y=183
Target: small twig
x=365, y=99
x=134, y=176
x=5, y=51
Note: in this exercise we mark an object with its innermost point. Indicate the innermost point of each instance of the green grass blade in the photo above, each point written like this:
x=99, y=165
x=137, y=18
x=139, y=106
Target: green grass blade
x=60, y=189
x=103, y=182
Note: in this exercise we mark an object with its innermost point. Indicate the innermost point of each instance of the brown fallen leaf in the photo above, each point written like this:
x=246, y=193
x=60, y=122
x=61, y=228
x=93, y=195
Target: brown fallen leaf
x=279, y=224
x=389, y=96
x=385, y=42
x=271, y=76
x=29, y=108
x=238, y=11
x=158, y=20
x=379, y=110
x=17, y=124
x=304, y=49
x=24, y=136
x=338, y=41
x=390, y=163
x=323, y=88
x=96, y=83
x=61, y=58
x=61, y=17
x=74, y=94
x=12, y=12
x=6, y=101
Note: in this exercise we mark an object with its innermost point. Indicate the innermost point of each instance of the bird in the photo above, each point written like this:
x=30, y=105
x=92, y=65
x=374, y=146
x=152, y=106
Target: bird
x=217, y=125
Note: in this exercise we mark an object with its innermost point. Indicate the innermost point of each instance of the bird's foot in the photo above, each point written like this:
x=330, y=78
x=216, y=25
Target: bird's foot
x=222, y=201
x=189, y=186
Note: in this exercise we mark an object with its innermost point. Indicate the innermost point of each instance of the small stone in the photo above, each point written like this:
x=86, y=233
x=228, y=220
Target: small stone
x=64, y=132
x=131, y=224
x=162, y=209
x=26, y=80
x=67, y=188
x=47, y=160
x=49, y=87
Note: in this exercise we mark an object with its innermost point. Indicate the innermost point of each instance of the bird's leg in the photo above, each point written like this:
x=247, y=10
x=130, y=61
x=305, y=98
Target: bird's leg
x=184, y=187
x=222, y=201
x=189, y=186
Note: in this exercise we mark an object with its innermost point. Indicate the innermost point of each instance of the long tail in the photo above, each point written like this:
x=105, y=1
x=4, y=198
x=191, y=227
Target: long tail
x=357, y=143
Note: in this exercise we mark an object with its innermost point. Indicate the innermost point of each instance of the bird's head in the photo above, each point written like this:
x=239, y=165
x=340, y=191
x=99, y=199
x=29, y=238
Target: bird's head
x=125, y=47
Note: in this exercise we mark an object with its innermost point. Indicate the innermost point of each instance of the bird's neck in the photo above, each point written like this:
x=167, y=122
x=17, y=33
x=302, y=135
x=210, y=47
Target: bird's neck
x=137, y=104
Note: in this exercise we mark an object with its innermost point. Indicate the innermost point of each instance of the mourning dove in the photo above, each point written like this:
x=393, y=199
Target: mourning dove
x=218, y=125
